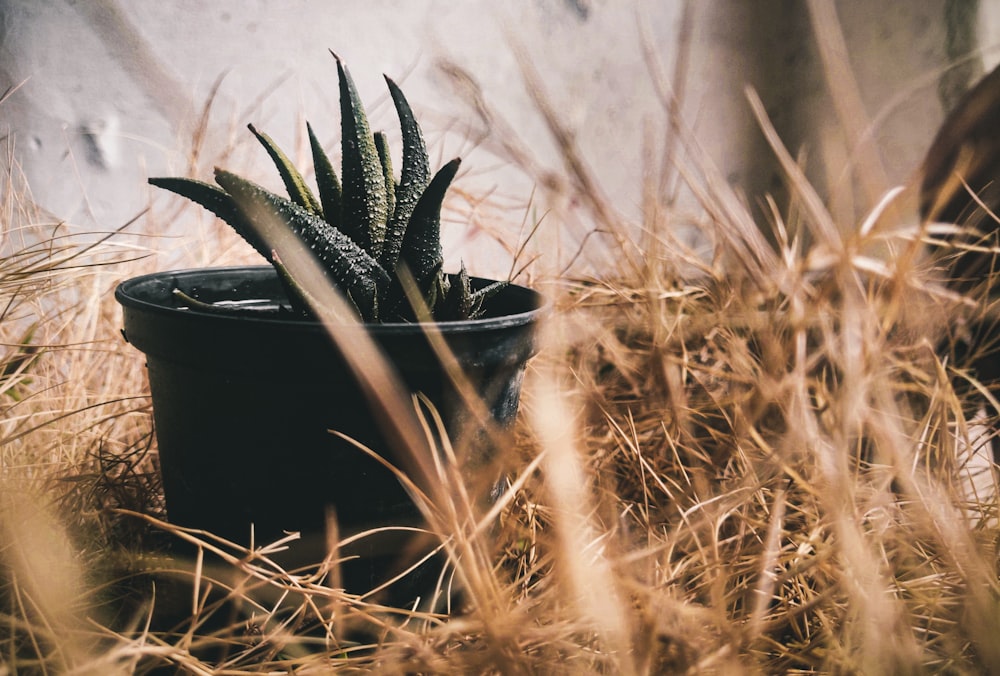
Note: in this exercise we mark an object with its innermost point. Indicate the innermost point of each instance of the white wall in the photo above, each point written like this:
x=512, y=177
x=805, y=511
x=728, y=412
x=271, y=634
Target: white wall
x=115, y=88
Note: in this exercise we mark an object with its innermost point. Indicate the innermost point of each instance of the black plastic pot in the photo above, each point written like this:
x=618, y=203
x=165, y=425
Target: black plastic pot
x=242, y=405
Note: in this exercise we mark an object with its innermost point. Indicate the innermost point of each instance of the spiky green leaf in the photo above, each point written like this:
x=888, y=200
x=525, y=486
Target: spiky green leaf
x=296, y=289
x=480, y=297
x=461, y=302
x=458, y=301
x=219, y=203
x=382, y=146
x=422, y=242
x=296, y=186
x=385, y=159
x=275, y=218
x=330, y=195
x=365, y=210
x=413, y=179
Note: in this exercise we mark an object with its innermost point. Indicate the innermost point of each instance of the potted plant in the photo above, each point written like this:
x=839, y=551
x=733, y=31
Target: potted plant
x=247, y=385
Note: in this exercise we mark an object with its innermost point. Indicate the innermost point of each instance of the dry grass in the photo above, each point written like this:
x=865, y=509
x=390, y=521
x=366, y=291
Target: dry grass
x=757, y=463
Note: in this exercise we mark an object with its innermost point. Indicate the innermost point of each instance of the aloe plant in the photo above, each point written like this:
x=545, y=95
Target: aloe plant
x=363, y=226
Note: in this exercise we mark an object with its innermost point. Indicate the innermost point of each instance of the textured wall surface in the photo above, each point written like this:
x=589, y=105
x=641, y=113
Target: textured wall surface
x=114, y=91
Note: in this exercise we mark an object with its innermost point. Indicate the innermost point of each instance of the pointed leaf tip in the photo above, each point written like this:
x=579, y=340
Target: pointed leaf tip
x=296, y=186
x=365, y=203
x=327, y=182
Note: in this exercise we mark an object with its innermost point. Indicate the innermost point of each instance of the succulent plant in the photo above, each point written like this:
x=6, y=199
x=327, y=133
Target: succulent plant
x=364, y=226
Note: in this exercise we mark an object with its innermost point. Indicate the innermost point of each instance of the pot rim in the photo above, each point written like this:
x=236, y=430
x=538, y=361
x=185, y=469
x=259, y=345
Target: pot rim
x=127, y=297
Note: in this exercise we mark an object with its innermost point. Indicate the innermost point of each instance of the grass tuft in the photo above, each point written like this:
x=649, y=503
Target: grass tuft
x=771, y=458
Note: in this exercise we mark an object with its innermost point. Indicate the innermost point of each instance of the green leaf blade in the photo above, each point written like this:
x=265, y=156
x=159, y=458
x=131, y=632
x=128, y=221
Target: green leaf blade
x=354, y=271
x=421, y=250
x=385, y=158
x=327, y=183
x=298, y=190
x=458, y=301
x=365, y=202
x=414, y=177
x=219, y=203
x=479, y=298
